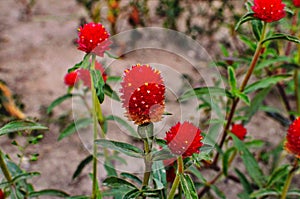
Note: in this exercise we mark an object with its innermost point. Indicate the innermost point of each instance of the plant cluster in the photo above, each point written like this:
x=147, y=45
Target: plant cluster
x=176, y=165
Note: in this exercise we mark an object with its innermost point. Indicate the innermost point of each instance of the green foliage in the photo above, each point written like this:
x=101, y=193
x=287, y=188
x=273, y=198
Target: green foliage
x=17, y=126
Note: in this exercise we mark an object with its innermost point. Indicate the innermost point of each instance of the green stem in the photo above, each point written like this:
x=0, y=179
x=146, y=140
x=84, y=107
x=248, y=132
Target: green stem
x=289, y=179
x=4, y=168
x=296, y=82
x=180, y=170
x=242, y=87
x=148, y=163
x=95, y=131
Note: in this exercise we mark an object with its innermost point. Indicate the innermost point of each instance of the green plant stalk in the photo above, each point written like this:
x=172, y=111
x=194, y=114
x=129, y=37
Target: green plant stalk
x=95, y=132
x=4, y=168
x=289, y=179
x=296, y=82
x=148, y=163
x=180, y=170
x=235, y=102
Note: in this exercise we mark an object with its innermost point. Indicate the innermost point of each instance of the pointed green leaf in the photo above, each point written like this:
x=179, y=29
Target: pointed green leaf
x=123, y=123
x=74, y=127
x=250, y=163
x=60, y=100
x=282, y=36
x=131, y=177
x=293, y=192
x=49, y=192
x=118, y=182
x=111, y=79
x=218, y=192
x=83, y=64
x=231, y=78
x=266, y=82
x=81, y=166
x=226, y=158
x=110, y=92
x=257, y=27
x=199, y=92
x=188, y=186
x=98, y=84
x=279, y=174
x=244, y=181
x=242, y=96
x=162, y=154
x=24, y=176
x=132, y=194
x=16, y=126
x=269, y=62
x=265, y=192
x=121, y=147
x=247, y=17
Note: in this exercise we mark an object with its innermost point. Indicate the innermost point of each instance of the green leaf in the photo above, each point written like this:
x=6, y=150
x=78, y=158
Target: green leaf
x=255, y=144
x=231, y=78
x=132, y=194
x=83, y=64
x=293, y=192
x=279, y=174
x=197, y=173
x=159, y=175
x=123, y=123
x=242, y=96
x=111, y=79
x=257, y=27
x=16, y=126
x=109, y=168
x=256, y=103
x=131, y=177
x=218, y=192
x=226, y=158
x=199, y=92
x=81, y=166
x=110, y=92
x=244, y=181
x=78, y=197
x=247, y=17
x=49, y=192
x=122, y=147
x=282, y=36
x=74, y=127
x=118, y=182
x=264, y=192
x=188, y=186
x=266, y=82
x=250, y=163
x=24, y=176
x=59, y=100
x=98, y=84
x=269, y=62
x=162, y=154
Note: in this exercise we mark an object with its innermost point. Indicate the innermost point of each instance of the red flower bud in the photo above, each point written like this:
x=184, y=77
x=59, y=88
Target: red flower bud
x=93, y=38
x=239, y=131
x=268, y=10
x=292, y=144
x=296, y=3
x=70, y=78
x=143, y=94
x=184, y=139
x=2, y=195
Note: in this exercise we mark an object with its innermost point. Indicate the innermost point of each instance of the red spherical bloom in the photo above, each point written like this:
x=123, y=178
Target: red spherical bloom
x=85, y=77
x=184, y=139
x=239, y=131
x=268, y=10
x=70, y=78
x=292, y=143
x=143, y=94
x=93, y=38
x=296, y=3
x=2, y=195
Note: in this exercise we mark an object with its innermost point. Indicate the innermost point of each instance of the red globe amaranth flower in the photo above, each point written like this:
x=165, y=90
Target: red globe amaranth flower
x=184, y=139
x=2, y=195
x=292, y=144
x=268, y=10
x=239, y=131
x=93, y=38
x=70, y=78
x=296, y=3
x=85, y=76
x=143, y=94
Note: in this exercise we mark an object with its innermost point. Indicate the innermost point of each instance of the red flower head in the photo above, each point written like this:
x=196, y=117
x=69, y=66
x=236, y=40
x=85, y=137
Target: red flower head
x=143, y=94
x=296, y=3
x=84, y=74
x=184, y=139
x=292, y=143
x=93, y=38
x=239, y=131
x=70, y=78
x=268, y=10
x=2, y=195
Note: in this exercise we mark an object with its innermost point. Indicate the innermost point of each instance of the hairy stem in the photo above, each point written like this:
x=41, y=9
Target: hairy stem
x=289, y=179
x=4, y=168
